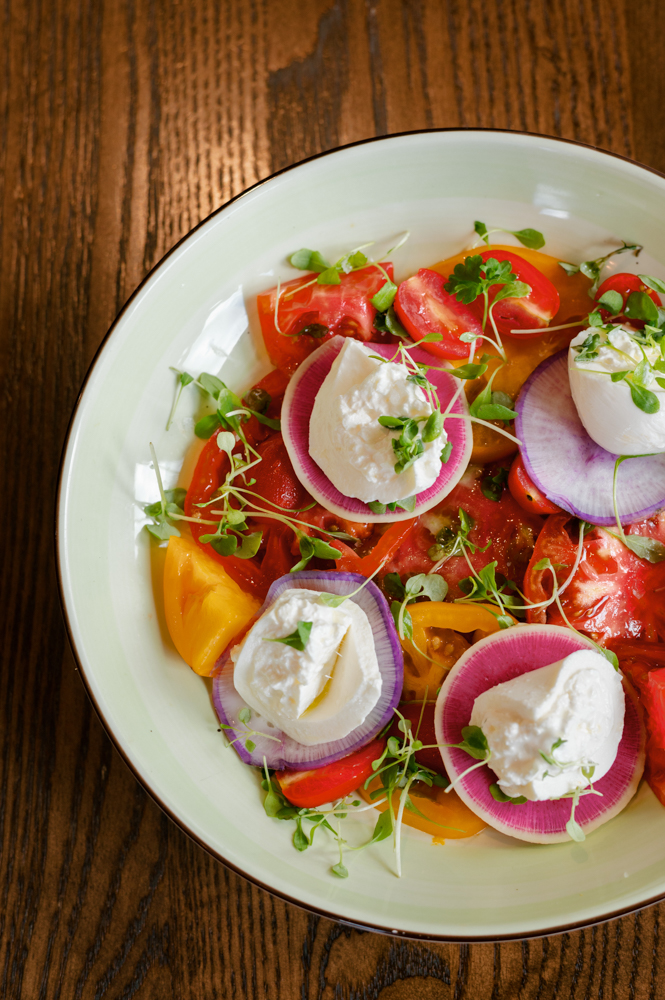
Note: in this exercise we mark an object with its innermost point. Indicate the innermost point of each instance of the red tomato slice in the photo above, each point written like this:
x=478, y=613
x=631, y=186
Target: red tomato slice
x=644, y=663
x=613, y=595
x=422, y=727
x=424, y=306
x=309, y=789
x=526, y=493
x=341, y=309
x=276, y=482
x=275, y=479
x=509, y=530
x=625, y=283
x=533, y=310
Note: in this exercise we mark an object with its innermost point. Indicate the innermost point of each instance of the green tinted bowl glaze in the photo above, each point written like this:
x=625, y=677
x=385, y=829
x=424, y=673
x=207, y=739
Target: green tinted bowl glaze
x=195, y=311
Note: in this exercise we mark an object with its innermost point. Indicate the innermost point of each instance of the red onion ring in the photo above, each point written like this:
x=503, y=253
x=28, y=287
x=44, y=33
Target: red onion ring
x=281, y=751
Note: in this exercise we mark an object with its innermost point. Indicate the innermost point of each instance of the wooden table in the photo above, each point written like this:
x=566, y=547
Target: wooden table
x=122, y=124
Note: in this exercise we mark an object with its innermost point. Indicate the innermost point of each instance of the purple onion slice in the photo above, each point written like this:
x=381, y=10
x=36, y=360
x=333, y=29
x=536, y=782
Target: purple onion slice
x=499, y=658
x=571, y=469
x=281, y=751
x=297, y=410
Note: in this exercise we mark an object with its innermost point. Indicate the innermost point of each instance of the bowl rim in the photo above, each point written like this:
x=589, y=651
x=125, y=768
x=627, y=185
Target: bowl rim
x=60, y=572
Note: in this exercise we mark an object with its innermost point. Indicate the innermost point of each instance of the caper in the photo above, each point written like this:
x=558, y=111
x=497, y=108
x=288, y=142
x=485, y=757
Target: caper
x=258, y=399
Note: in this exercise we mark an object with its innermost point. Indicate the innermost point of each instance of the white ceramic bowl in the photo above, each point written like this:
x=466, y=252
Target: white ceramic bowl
x=192, y=312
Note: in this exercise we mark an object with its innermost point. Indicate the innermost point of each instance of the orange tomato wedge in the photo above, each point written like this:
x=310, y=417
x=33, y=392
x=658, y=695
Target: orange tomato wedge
x=445, y=816
x=204, y=607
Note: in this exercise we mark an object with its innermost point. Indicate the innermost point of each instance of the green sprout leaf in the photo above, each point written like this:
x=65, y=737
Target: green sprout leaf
x=657, y=284
x=474, y=742
x=206, y=426
x=492, y=486
x=329, y=277
x=644, y=399
x=298, y=639
x=645, y=548
x=612, y=301
x=530, y=238
x=162, y=530
x=387, y=322
x=311, y=547
x=481, y=229
x=224, y=545
x=433, y=426
x=500, y=796
x=446, y=452
x=641, y=306
x=385, y=296
x=308, y=260
x=471, y=371
x=249, y=545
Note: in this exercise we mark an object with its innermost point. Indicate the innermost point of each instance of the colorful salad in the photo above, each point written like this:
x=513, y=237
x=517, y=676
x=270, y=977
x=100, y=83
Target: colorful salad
x=423, y=559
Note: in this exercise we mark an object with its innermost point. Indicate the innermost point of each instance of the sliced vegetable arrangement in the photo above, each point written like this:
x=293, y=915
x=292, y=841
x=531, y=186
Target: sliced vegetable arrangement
x=414, y=558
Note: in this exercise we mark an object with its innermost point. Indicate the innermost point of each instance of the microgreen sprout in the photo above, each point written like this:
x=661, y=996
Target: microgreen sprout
x=183, y=379
x=167, y=509
x=640, y=545
x=451, y=542
x=244, y=717
x=398, y=769
x=474, y=742
x=335, y=600
x=433, y=587
x=530, y=238
x=492, y=486
x=500, y=796
x=592, y=268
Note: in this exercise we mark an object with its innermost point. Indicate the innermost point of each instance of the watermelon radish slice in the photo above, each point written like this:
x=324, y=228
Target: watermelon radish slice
x=278, y=749
x=567, y=466
x=297, y=410
x=499, y=658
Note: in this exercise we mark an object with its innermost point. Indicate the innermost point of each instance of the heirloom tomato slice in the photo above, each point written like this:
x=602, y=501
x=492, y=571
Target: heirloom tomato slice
x=424, y=306
x=309, y=789
x=309, y=314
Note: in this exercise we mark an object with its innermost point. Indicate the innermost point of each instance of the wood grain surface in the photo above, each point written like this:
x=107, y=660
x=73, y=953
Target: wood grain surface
x=122, y=124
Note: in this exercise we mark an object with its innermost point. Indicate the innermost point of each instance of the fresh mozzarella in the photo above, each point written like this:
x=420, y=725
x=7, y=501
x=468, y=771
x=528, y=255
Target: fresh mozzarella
x=577, y=703
x=322, y=693
x=606, y=409
x=348, y=443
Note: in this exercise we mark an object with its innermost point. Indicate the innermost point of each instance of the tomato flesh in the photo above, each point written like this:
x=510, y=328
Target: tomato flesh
x=343, y=309
x=509, y=530
x=614, y=595
x=625, y=283
x=526, y=493
x=644, y=664
x=528, y=312
x=276, y=483
x=309, y=789
x=424, y=306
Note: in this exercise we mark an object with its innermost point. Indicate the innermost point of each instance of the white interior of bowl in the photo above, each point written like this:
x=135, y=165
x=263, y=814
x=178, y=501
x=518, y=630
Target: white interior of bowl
x=194, y=313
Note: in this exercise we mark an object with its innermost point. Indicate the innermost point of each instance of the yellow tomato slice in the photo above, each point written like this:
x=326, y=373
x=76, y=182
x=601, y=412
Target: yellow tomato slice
x=436, y=637
x=204, y=607
x=445, y=816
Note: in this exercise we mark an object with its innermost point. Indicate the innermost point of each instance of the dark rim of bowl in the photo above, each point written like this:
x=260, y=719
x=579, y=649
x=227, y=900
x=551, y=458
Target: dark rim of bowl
x=360, y=925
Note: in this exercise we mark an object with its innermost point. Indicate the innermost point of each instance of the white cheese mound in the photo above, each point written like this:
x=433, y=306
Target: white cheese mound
x=606, y=408
x=578, y=700
x=348, y=443
x=322, y=693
